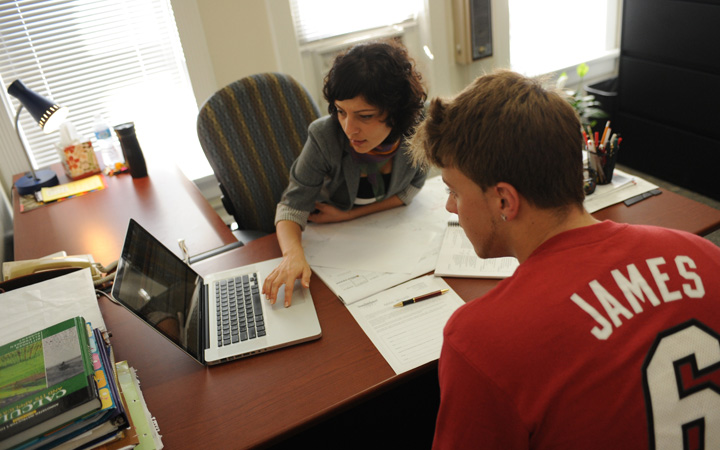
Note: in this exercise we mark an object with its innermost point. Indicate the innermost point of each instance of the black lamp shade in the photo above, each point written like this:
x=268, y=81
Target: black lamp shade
x=39, y=107
x=49, y=116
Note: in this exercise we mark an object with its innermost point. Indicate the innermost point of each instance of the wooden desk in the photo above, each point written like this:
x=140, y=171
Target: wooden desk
x=166, y=203
x=260, y=400
x=668, y=210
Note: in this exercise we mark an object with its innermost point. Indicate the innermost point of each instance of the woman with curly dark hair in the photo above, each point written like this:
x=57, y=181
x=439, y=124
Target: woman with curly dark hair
x=354, y=162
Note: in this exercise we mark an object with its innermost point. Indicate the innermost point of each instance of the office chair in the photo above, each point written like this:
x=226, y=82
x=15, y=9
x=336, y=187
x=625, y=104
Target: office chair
x=251, y=131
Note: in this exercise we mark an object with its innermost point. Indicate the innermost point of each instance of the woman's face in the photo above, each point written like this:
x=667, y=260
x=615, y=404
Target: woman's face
x=362, y=123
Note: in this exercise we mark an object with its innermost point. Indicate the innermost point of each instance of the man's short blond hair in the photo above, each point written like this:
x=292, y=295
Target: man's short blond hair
x=505, y=127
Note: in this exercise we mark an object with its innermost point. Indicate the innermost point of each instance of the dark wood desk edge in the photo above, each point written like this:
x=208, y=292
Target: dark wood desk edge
x=691, y=216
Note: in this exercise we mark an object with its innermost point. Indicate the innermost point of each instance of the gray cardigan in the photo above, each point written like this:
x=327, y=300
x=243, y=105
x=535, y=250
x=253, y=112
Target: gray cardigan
x=325, y=172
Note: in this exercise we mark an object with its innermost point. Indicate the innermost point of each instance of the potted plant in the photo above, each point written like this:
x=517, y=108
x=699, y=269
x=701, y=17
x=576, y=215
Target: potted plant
x=586, y=105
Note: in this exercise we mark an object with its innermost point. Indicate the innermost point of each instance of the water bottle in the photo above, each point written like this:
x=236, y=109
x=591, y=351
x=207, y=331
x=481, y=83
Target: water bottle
x=131, y=149
x=109, y=152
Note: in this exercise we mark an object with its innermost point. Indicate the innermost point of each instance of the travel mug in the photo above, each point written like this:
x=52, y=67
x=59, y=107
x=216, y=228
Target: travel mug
x=131, y=149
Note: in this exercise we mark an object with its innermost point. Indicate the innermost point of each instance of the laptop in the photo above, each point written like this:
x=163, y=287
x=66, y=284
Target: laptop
x=216, y=318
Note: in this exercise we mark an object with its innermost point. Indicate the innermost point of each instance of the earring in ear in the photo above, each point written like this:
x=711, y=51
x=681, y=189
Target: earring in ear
x=503, y=217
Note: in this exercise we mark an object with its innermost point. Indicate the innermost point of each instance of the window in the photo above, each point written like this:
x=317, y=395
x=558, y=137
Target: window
x=121, y=59
x=321, y=19
x=569, y=32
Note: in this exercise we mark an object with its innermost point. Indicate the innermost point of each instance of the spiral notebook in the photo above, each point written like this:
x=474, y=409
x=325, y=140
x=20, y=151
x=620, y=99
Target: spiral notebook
x=457, y=258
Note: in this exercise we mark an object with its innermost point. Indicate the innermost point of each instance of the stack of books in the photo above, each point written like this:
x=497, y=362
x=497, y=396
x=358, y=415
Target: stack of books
x=60, y=388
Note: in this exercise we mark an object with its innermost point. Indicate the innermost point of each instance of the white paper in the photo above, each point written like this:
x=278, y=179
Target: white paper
x=426, y=213
x=358, y=248
x=622, y=187
x=33, y=308
x=410, y=336
x=458, y=258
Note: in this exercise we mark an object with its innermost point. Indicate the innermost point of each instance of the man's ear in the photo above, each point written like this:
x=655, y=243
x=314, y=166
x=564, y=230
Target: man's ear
x=509, y=200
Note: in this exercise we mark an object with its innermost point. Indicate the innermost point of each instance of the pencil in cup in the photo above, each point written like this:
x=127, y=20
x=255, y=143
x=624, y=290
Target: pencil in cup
x=602, y=154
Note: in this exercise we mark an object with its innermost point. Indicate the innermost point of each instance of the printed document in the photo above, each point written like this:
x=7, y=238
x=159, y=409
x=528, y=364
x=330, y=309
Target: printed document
x=412, y=335
x=388, y=250
x=423, y=221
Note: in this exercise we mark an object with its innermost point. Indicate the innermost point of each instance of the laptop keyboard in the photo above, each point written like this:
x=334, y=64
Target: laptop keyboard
x=239, y=310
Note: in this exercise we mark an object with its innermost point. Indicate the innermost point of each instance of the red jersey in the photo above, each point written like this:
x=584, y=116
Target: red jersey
x=606, y=337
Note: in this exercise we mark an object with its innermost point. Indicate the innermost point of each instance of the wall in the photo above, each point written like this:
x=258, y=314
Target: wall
x=224, y=40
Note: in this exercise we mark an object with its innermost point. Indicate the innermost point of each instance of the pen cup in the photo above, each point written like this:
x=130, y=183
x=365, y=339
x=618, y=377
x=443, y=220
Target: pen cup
x=589, y=179
x=602, y=165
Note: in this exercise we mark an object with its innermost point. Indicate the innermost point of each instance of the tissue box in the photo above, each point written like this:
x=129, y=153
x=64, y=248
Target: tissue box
x=79, y=160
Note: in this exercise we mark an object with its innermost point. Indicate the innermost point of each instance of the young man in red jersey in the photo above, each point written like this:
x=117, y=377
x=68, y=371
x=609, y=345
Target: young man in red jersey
x=608, y=335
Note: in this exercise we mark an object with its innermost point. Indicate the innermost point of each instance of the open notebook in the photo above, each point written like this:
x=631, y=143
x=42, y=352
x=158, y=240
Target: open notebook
x=457, y=258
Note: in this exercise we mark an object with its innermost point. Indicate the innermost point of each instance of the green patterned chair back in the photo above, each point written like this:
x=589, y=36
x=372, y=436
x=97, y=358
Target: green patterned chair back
x=251, y=131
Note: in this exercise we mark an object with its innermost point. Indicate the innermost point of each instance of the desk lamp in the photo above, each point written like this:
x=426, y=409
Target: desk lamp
x=49, y=116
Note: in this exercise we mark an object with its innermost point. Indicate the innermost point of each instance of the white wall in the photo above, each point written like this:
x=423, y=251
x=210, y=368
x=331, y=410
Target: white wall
x=225, y=40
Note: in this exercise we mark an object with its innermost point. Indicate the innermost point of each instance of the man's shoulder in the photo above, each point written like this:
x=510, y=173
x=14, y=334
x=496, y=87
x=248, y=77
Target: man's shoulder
x=662, y=235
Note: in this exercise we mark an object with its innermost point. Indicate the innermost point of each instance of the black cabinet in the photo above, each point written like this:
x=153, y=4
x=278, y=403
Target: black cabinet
x=668, y=106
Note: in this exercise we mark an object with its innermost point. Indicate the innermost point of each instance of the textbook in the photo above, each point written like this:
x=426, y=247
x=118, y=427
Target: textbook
x=457, y=258
x=46, y=380
x=101, y=425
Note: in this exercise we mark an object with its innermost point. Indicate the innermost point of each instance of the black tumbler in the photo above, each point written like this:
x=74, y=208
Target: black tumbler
x=131, y=149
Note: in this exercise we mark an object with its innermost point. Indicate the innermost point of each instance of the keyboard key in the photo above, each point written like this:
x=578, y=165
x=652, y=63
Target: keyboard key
x=239, y=309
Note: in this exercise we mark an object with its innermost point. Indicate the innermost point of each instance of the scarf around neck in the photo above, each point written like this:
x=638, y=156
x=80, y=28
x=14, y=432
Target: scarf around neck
x=372, y=162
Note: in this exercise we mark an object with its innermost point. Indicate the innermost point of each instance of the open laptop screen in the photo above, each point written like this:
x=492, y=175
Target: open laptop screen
x=160, y=288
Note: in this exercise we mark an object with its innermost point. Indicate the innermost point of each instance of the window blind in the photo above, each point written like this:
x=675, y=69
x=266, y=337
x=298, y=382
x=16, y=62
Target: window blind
x=321, y=19
x=121, y=59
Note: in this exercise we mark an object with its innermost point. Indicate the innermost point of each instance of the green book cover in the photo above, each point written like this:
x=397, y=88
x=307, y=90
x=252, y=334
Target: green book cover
x=46, y=380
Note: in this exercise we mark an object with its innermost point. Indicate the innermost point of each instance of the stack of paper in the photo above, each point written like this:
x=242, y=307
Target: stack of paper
x=122, y=420
x=622, y=187
x=38, y=306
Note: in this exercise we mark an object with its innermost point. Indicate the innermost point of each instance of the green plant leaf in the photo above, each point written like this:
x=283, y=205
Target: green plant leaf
x=582, y=70
x=596, y=113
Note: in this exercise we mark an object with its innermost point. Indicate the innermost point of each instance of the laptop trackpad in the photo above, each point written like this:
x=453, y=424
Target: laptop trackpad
x=299, y=296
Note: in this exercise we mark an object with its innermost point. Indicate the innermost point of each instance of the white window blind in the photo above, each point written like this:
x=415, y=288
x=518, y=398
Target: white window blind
x=321, y=19
x=121, y=59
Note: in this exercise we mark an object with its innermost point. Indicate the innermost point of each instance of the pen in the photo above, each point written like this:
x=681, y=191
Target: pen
x=420, y=298
x=605, y=134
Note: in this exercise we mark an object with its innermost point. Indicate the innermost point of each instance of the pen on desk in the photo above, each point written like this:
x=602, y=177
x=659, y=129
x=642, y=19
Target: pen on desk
x=420, y=298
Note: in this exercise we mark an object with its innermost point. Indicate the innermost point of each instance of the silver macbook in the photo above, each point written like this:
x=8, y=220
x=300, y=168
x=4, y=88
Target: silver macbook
x=216, y=318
